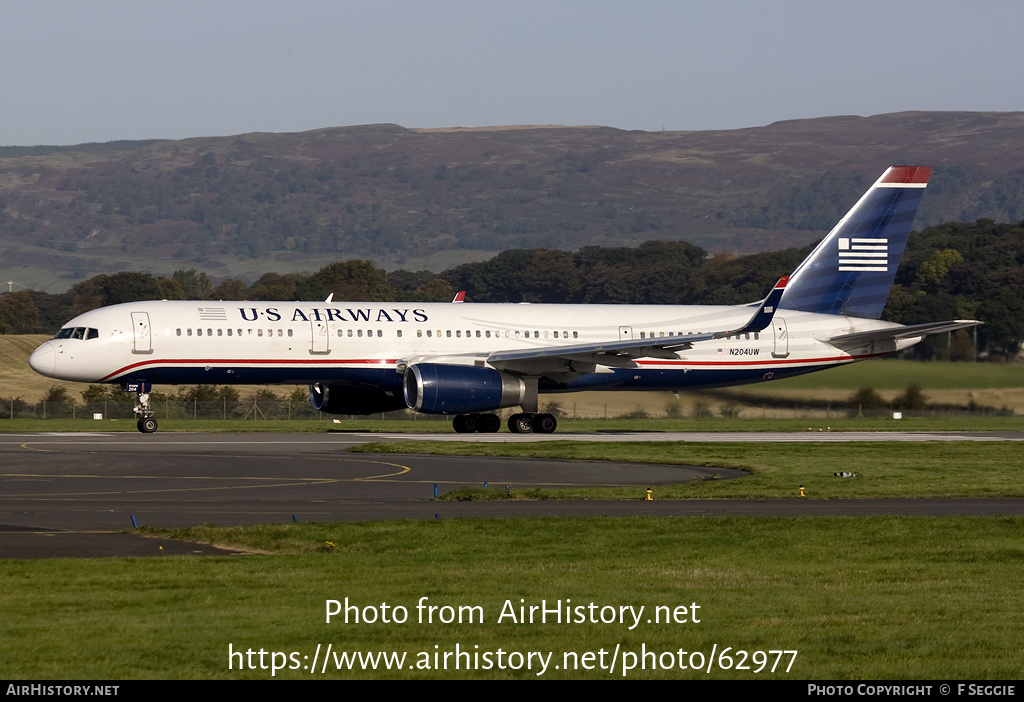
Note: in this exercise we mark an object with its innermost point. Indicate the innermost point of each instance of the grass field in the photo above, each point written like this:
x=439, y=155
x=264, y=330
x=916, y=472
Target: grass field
x=891, y=374
x=942, y=383
x=16, y=378
x=931, y=469
x=865, y=598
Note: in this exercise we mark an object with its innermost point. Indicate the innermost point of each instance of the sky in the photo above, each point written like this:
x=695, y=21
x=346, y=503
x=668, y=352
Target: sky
x=75, y=72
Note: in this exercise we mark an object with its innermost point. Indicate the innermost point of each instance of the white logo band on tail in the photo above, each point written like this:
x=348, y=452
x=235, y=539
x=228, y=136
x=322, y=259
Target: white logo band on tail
x=863, y=254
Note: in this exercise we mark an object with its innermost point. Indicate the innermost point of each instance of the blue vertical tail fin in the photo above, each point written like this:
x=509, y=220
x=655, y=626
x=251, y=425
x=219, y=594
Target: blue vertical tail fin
x=851, y=271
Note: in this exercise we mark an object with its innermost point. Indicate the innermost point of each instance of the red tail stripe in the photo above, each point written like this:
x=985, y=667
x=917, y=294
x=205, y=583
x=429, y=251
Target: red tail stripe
x=907, y=174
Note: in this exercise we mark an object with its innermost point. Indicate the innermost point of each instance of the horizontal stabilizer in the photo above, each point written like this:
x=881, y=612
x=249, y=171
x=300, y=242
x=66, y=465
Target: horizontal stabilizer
x=912, y=331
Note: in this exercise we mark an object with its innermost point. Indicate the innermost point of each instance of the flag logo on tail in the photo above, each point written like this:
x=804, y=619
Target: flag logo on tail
x=863, y=254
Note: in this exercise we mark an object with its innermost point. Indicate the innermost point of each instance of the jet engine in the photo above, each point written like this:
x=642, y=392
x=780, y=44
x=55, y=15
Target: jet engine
x=437, y=388
x=343, y=399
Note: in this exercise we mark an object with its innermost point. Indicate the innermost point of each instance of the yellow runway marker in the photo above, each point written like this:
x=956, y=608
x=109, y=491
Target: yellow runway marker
x=28, y=447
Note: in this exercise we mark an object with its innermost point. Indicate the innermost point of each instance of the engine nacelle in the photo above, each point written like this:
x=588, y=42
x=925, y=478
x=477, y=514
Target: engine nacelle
x=341, y=399
x=437, y=388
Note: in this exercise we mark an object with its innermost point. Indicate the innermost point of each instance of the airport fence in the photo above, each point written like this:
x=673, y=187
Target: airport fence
x=285, y=410
x=278, y=410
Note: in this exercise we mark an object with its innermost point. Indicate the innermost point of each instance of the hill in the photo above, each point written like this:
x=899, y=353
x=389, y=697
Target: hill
x=244, y=205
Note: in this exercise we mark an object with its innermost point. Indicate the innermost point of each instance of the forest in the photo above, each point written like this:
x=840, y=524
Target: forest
x=950, y=271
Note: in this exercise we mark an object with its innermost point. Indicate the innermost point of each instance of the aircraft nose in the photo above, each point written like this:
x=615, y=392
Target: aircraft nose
x=44, y=360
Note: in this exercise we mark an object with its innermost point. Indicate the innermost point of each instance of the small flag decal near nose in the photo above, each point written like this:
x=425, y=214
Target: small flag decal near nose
x=213, y=314
x=863, y=254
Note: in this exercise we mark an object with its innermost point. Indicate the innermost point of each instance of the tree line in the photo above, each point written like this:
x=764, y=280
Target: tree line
x=951, y=271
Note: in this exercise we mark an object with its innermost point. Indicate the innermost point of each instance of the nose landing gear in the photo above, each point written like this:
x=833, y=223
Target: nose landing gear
x=147, y=423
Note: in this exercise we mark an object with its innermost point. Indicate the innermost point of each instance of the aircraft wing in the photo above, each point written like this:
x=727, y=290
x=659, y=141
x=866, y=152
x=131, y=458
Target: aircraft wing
x=620, y=353
x=907, y=332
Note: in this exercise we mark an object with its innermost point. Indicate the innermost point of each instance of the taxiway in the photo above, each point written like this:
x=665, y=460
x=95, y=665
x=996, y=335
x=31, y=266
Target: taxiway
x=69, y=494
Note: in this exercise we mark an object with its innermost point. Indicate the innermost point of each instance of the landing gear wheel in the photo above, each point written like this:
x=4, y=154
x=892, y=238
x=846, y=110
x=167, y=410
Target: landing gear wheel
x=147, y=422
x=483, y=423
x=544, y=423
x=520, y=424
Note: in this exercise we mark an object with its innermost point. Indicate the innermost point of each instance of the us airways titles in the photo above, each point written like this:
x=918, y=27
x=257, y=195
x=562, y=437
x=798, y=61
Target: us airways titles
x=334, y=314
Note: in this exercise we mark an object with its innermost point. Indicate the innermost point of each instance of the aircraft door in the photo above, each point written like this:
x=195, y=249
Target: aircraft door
x=321, y=343
x=781, y=338
x=625, y=333
x=141, y=333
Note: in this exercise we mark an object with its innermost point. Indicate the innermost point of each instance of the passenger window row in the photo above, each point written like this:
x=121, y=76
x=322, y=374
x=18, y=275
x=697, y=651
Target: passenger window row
x=371, y=333
x=232, y=332
x=731, y=337
x=358, y=333
x=84, y=333
x=486, y=334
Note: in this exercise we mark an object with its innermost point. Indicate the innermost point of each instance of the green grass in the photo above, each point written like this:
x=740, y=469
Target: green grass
x=894, y=374
x=883, y=469
x=866, y=598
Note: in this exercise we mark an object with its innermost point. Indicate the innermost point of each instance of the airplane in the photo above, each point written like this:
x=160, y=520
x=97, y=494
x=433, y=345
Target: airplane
x=469, y=360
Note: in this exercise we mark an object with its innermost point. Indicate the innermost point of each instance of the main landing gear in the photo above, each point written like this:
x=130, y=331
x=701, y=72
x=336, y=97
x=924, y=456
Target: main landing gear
x=483, y=423
x=524, y=423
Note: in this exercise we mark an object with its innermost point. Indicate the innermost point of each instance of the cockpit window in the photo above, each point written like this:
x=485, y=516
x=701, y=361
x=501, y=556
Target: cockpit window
x=77, y=333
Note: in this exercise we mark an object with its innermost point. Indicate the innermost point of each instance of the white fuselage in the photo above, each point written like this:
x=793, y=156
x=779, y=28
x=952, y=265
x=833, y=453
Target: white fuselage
x=371, y=343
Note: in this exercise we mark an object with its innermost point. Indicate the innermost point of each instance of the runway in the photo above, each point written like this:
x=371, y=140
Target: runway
x=68, y=494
